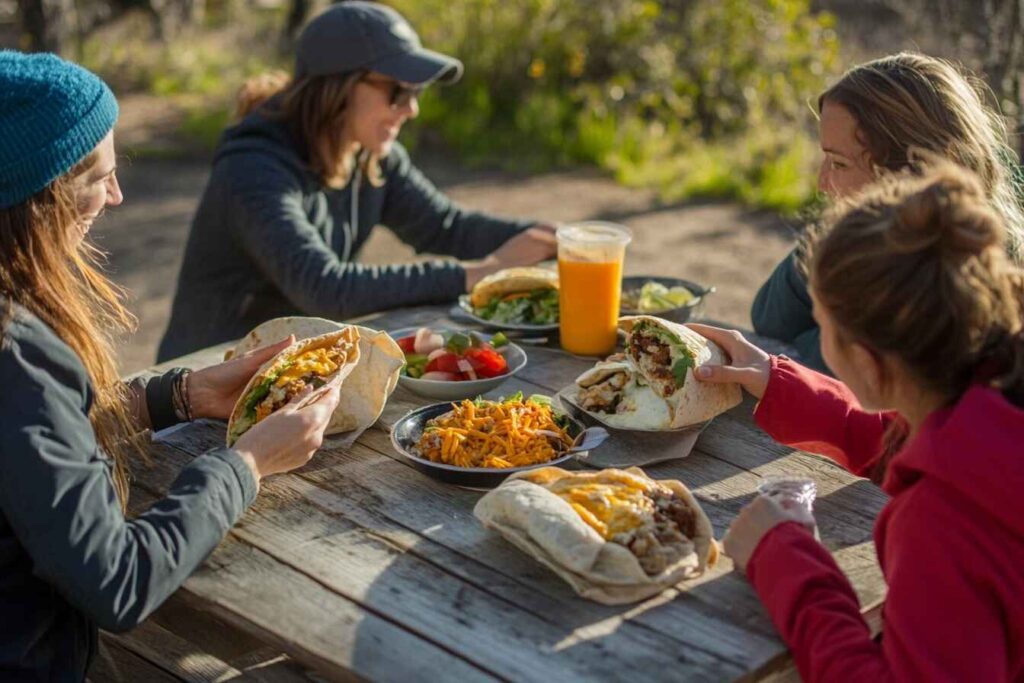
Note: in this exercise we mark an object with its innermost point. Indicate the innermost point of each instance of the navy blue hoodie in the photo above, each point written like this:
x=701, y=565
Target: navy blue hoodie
x=269, y=239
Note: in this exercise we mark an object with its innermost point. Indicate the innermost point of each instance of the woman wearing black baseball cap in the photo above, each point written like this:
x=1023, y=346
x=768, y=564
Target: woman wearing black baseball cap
x=299, y=184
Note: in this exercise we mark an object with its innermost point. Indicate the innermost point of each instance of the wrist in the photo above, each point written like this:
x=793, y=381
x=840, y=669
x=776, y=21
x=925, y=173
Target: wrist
x=478, y=270
x=250, y=460
x=195, y=396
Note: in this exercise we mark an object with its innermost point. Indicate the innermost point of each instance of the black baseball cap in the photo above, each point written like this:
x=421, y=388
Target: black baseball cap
x=366, y=35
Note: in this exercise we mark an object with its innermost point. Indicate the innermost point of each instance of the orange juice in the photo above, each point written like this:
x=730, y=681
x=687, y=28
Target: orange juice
x=588, y=303
x=590, y=259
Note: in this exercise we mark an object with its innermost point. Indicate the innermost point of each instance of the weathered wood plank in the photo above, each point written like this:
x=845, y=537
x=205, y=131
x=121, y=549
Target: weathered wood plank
x=362, y=562
x=367, y=482
x=282, y=606
x=116, y=663
x=361, y=525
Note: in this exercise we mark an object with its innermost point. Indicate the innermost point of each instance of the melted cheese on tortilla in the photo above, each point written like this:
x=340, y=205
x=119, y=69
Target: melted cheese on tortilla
x=321, y=362
x=610, y=508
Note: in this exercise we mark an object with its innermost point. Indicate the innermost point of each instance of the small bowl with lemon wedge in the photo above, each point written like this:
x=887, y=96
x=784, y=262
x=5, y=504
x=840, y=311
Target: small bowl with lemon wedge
x=666, y=297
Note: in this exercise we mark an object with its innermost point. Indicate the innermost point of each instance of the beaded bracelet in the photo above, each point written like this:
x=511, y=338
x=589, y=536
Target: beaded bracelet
x=180, y=397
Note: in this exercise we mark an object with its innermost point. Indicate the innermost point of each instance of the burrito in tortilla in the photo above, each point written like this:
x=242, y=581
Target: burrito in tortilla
x=615, y=536
x=651, y=386
x=305, y=366
x=367, y=388
x=517, y=296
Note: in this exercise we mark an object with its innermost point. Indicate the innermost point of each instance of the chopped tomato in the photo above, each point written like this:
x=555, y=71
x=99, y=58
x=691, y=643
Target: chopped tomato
x=486, y=362
x=446, y=362
x=407, y=344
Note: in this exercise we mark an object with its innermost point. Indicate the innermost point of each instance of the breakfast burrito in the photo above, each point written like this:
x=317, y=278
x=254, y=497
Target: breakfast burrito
x=367, y=387
x=517, y=296
x=616, y=536
x=302, y=368
x=651, y=385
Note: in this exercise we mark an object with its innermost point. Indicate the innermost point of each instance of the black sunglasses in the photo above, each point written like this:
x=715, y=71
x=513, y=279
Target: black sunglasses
x=398, y=95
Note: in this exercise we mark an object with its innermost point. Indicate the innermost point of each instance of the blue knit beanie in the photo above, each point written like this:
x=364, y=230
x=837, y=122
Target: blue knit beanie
x=52, y=114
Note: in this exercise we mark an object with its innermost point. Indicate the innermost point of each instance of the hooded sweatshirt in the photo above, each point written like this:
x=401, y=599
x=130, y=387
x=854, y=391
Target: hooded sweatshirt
x=950, y=542
x=269, y=239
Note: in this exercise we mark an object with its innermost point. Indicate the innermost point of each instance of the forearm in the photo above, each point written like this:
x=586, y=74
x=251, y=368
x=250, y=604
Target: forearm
x=143, y=561
x=814, y=607
x=346, y=290
x=807, y=410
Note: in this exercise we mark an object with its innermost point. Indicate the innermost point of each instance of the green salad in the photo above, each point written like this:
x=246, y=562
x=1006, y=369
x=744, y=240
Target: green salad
x=538, y=307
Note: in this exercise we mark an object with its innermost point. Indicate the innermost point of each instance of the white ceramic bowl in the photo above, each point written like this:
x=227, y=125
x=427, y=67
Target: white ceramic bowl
x=441, y=390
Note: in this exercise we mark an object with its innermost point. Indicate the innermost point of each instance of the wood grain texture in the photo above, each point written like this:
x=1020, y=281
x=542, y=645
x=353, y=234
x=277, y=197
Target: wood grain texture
x=358, y=556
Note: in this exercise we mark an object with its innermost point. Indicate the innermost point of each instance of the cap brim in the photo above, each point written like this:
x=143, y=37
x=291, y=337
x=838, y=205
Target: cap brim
x=420, y=67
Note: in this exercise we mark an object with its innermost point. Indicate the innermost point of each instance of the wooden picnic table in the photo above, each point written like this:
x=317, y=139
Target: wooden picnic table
x=357, y=565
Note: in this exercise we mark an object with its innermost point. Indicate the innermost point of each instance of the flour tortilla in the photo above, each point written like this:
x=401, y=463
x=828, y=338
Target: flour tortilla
x=371, y=381
x=695, y=401
x=529, y=515
x=349, y=336
x=511, y=281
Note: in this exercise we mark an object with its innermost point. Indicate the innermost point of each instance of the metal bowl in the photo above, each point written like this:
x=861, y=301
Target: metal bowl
x=406, y=434
x=679, y=314
x=441, y=390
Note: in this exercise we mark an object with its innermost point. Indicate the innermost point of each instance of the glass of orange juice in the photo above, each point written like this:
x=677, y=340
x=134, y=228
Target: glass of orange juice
x=590, y=257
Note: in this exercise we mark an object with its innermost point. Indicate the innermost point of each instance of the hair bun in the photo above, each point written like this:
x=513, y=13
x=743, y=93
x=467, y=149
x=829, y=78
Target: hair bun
x=949, y=212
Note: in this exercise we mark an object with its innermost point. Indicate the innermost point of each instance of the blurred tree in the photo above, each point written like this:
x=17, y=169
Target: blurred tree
x=47, y=25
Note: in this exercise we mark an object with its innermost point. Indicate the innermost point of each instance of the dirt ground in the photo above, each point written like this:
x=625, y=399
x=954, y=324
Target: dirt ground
x=718, y=244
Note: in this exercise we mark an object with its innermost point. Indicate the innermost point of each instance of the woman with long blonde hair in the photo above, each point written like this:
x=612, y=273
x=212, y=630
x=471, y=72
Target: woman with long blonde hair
x=874, y=121
x=300, y=183
x=70, y=560
x=922, y=319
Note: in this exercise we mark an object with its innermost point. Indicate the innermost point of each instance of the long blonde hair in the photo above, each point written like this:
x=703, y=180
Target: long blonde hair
x=911, y=101
x=46, y=267
x=314, y=108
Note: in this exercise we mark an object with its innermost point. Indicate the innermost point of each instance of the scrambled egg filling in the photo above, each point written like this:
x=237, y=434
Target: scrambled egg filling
x=319, y=362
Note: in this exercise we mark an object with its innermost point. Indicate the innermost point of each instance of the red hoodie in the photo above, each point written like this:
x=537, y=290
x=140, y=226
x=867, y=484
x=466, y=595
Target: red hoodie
x=950, y=542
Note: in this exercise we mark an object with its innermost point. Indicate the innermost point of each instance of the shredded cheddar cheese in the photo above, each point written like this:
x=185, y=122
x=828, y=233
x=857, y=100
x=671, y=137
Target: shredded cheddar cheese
x=610, y=508
x=494, y=435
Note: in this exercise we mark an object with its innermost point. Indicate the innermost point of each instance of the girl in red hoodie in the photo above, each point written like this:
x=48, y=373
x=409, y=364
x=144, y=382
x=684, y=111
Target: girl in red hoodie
x=921, y=319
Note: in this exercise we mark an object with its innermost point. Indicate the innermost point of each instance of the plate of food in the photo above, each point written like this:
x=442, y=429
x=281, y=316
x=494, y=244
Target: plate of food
x=650, y=386
x=668, y=297
x=520, y=299
x=615, y=536
x=481, y=442
x=448, y=365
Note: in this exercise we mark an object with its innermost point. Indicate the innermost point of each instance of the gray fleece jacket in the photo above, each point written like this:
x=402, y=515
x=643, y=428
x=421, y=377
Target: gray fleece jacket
x=69, y=559
x=269, y=240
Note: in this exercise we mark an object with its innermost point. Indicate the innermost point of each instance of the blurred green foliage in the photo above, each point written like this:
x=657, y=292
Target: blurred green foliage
x=693, y=97
x=696, y=97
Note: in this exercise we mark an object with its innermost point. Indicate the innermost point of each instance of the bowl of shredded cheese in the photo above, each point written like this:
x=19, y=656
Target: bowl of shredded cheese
x=480, y=443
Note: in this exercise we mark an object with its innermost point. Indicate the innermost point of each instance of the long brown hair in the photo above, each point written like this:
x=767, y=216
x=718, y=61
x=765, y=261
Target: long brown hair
x=909, y=101
x=915, y=268
x=314, y=108
x=46, y=267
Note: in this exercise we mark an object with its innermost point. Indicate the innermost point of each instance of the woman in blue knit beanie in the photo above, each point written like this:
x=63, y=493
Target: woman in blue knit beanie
x=69, y=558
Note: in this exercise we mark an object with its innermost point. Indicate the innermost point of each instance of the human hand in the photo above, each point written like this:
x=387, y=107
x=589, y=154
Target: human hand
x=755, y=520
x=531, y=246
x=288, y=438
x=214, y=391
x=750, y=366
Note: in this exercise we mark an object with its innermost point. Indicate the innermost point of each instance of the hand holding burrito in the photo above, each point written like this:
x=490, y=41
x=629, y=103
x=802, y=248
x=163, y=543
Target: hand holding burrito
x=288, y=439
x=651, y=386
x=750, y=366
x=325, y=360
